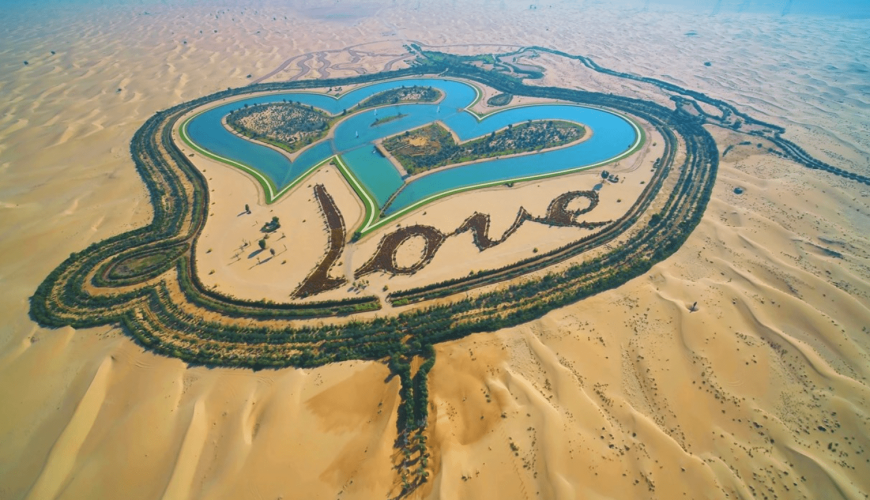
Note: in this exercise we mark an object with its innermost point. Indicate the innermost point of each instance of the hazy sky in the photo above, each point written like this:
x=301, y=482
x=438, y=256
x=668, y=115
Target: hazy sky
x=845, y=8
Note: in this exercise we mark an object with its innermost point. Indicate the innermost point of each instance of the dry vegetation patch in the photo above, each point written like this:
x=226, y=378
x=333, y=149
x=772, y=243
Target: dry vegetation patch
x=287, y=125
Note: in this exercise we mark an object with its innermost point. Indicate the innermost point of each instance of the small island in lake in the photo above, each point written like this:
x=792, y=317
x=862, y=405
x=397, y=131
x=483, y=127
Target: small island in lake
x=434, y=146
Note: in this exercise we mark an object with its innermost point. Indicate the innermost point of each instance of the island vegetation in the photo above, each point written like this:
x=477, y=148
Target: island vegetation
x=433, y=146
x=500, y=100
x=387, y=119
x=402, y=95
x=288, y=125
x=291, y=125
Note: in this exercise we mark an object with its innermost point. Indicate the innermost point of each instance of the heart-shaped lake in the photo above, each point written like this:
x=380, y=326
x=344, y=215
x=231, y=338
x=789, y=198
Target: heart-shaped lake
x=385, y=192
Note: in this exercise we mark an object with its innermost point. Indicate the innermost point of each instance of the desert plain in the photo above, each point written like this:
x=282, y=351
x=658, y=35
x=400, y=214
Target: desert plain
x=758, y=391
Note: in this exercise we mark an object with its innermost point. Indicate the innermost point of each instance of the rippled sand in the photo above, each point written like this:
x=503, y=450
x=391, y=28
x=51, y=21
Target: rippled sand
x=762, y=392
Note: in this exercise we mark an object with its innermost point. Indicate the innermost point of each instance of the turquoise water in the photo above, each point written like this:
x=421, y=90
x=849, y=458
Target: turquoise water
x=612, y=135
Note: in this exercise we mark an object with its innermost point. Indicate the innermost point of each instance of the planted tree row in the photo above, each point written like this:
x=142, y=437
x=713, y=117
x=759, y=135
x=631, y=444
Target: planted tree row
x=319, y=280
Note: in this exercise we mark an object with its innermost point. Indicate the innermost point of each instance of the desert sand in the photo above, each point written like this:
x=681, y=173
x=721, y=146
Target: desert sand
x=761, y=392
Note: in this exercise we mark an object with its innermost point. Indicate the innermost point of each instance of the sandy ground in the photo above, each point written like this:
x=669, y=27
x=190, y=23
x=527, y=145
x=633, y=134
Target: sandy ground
x=762, y=392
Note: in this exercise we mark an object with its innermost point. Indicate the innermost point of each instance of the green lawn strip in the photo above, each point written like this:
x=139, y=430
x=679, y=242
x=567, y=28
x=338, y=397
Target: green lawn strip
x=267, y=184
x=372, y=211
x=478, y=96
x=481, y=117
x=301, y=178
x=641, y=139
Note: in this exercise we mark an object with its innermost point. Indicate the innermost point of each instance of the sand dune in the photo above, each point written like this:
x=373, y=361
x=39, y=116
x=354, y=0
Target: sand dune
x=762, y=392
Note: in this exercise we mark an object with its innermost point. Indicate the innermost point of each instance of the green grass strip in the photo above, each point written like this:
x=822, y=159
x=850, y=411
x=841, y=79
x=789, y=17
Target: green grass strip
x=373, y=211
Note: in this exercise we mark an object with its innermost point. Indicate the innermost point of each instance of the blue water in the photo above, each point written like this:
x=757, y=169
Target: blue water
x=611, y=136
